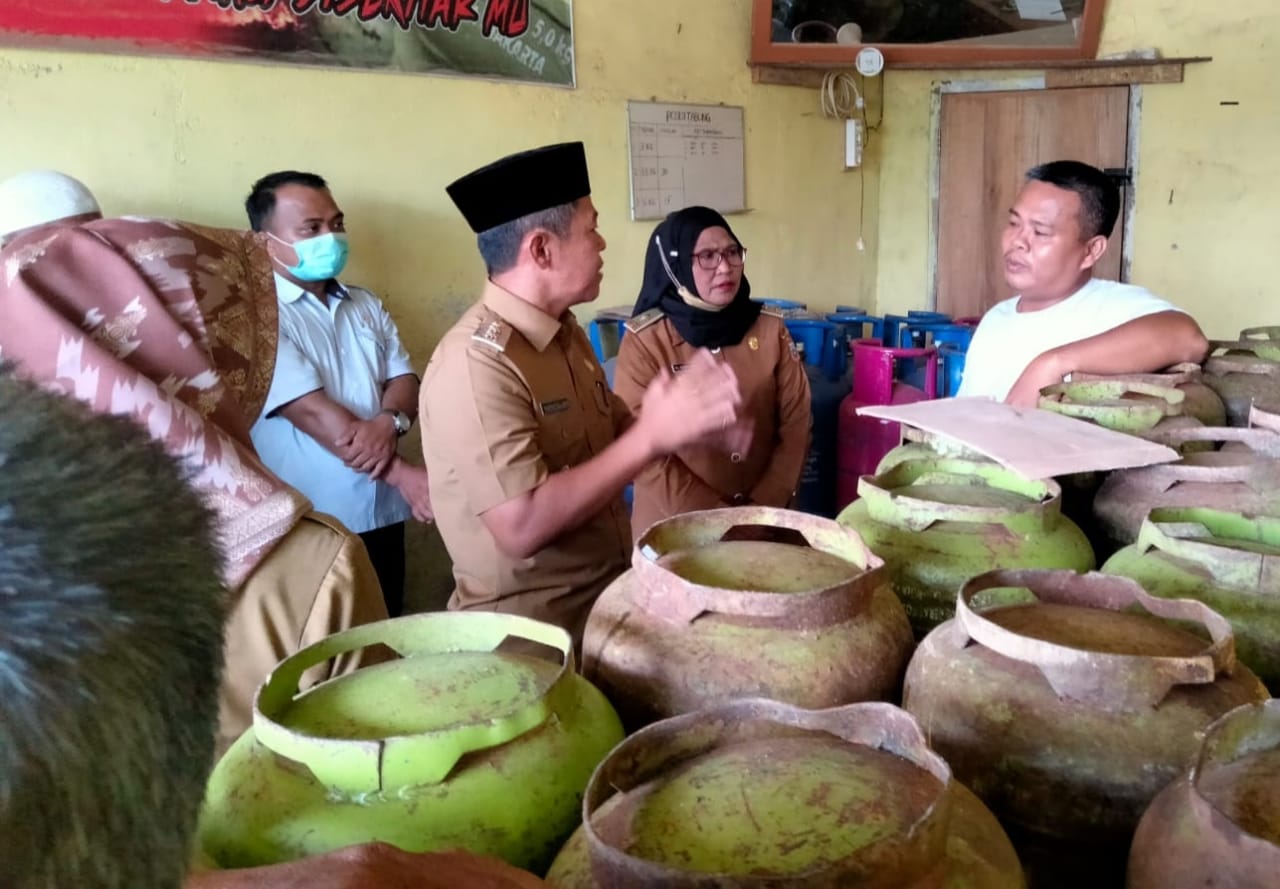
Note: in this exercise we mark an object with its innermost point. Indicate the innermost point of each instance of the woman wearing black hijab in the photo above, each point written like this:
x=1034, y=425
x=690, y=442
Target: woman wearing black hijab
x=695, y=296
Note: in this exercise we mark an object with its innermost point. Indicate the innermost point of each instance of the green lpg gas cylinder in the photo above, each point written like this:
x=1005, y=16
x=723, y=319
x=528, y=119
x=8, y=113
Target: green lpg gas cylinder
x=1067, y=702
x=918, y=444
x=1241, y=473
x=469, y=740
x=1219, y=824
x=746, y=602
x=937, y=522
x=1247, y=373
x=1229, y=561
x=1120, y=404
x=756, y=793
x=1199, y=399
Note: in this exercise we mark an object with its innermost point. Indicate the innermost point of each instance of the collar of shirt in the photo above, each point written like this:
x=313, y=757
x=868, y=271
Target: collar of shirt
x=289, y=292
x=534, y=325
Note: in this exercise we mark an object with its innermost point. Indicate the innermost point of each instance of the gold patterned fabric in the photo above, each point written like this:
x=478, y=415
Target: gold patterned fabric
x=172, y=324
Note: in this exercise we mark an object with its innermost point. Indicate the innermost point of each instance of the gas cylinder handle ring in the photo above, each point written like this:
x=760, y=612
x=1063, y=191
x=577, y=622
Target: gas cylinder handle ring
x=1112, y=681
x=369, y=766
x=1220, y=365
x=662, y=591
x=1246, y=730
x=1260, y=418
x=1258, y=438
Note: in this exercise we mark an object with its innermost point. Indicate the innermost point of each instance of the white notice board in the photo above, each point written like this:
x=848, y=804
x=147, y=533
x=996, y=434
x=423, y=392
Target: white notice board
x=683, y=155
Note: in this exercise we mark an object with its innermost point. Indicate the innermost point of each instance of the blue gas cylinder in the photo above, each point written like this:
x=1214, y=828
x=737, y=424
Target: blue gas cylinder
x=606, y=330
x=823, y=347
x=788, y=307
x=854, y=326
x=951, y=368
x=919, y=334
x=893, y=324
x=819, y=341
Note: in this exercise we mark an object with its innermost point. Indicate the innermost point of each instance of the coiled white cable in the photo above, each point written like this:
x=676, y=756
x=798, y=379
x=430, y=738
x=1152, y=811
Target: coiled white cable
x=841, y=97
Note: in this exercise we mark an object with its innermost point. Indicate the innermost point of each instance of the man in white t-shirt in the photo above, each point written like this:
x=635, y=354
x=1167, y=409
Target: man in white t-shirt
x=1064, y=320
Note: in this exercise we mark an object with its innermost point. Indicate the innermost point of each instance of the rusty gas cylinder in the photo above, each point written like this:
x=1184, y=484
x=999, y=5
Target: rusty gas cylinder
x=1199, y=400
x=1242, y=475
x=1219, y=824
x=761, y=794
x=937, y=522
x=1229, y=561
x=1066, y=710
x=1143, y=409
x=1248, y=372
x=1263, y=341
x=1122, y=405
x=746, y=602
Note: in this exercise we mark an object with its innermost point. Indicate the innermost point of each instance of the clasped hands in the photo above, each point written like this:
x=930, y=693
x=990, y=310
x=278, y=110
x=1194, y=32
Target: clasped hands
x=368, y=445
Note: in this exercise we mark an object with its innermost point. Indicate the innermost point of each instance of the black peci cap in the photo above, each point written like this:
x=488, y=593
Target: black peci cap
x=520, y=184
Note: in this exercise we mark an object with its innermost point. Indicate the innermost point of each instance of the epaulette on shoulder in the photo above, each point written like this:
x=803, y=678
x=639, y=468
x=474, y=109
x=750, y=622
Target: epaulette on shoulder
x=774, y=311
x=643, y=320
x=492, y=331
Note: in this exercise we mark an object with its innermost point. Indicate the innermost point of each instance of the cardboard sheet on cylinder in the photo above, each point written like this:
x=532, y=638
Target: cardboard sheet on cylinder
x=1031, y=442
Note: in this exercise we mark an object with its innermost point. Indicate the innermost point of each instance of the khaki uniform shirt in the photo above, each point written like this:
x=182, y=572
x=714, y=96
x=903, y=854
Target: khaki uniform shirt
x=776, y=393
x=512, y=395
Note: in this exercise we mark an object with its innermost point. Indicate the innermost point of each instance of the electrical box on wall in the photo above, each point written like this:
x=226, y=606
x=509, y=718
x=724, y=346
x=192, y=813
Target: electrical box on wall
x=853, y=139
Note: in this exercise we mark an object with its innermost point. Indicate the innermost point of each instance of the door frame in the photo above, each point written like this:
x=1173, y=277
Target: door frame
x=1022, y=84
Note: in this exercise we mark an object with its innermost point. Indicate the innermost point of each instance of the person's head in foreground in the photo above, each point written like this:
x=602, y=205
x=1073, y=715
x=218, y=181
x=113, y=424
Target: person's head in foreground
x=32, y=200
x=111, y=615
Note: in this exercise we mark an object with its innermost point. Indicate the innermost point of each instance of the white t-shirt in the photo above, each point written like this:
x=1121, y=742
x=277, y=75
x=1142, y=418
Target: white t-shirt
x=1008, y=340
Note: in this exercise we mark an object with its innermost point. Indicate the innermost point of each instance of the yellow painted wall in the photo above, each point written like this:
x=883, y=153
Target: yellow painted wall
x=1207, y=226
x=183, y=138
x=186, y=139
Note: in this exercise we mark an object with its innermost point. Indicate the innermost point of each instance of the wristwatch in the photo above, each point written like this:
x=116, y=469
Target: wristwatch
x=400, y=420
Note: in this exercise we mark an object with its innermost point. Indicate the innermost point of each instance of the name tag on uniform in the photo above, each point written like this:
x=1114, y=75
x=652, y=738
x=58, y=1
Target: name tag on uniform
x=676, y=368
x=559, y=406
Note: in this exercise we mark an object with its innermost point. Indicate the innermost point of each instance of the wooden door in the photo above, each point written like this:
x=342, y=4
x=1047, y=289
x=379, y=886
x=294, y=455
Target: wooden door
x=989, y=141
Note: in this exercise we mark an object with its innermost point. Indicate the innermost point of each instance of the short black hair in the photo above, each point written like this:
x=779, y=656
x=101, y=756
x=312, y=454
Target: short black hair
x=111, y=634
x=500, y=245
x=262, y=199
x=1099, y=196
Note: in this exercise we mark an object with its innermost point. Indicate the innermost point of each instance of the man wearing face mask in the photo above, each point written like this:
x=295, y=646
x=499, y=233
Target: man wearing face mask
x=344, y=390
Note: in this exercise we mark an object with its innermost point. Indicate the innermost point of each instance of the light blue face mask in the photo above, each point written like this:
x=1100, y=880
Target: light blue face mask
x=319, y=258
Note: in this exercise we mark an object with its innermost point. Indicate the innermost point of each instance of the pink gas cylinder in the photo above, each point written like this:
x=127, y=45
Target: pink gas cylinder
x=863, y=441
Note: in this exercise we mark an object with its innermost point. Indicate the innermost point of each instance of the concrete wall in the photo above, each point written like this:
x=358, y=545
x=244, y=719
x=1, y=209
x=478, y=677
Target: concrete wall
x=187, y=138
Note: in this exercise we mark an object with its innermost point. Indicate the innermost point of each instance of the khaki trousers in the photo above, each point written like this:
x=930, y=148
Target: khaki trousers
x=316, y=581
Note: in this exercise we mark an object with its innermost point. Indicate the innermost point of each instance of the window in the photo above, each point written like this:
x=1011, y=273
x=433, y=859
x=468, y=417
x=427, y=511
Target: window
x=925, y=32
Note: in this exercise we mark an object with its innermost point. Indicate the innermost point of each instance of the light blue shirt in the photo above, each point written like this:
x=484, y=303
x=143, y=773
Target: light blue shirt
x=349, y=348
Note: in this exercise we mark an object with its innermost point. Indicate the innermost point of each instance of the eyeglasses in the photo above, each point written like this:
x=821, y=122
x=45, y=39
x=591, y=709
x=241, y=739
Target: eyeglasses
x=709, y=260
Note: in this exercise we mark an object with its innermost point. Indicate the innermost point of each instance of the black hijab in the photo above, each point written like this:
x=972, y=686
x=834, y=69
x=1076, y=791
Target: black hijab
x=679, y=233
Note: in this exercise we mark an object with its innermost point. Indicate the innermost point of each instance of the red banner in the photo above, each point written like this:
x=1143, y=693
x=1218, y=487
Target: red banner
x=521, y=39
